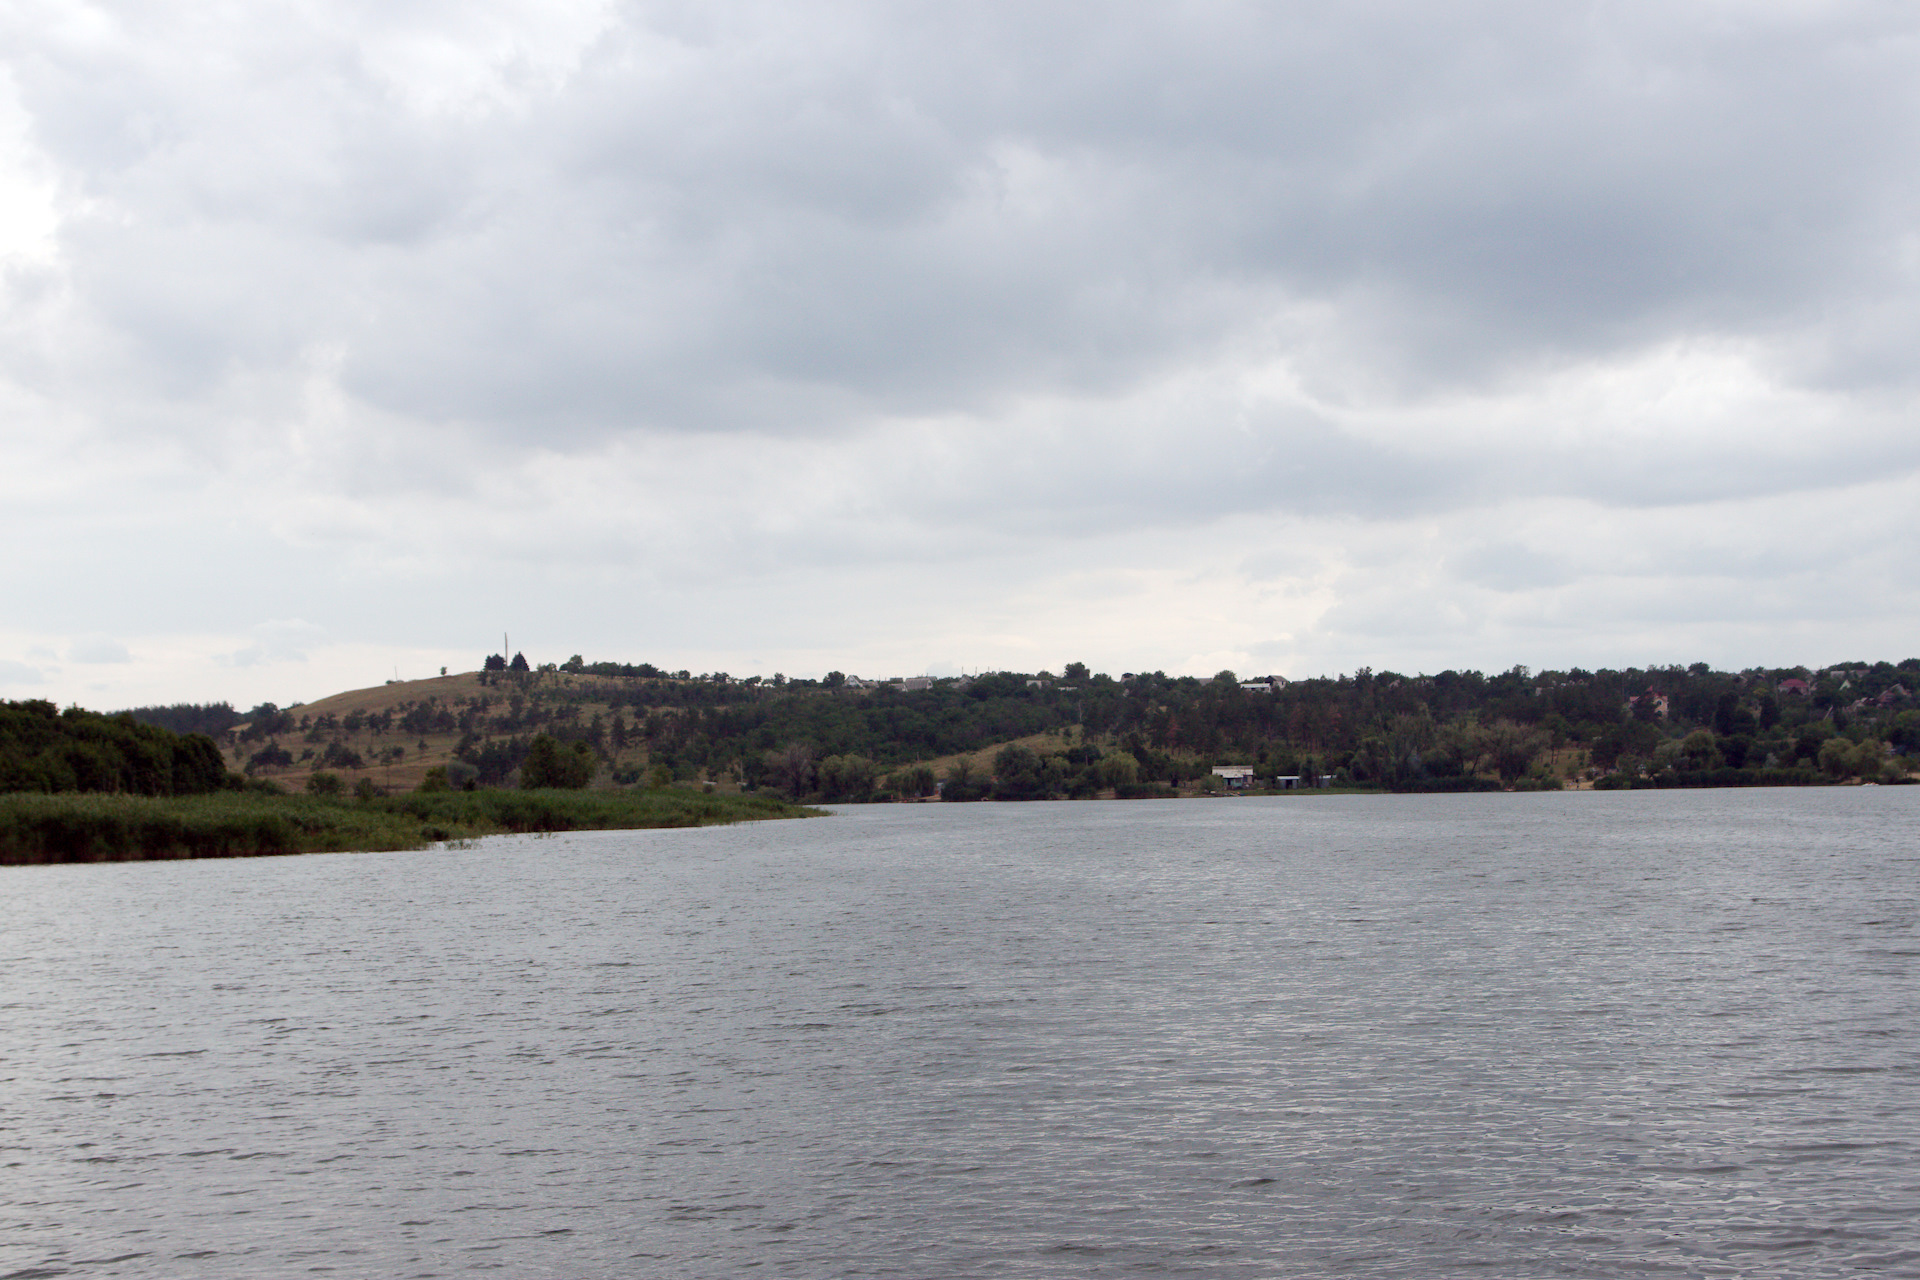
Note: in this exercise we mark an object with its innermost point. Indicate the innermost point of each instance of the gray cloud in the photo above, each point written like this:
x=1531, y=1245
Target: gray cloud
x=610, y=299
x=98, y=650
x=282, y=640
x=772, y=223
x=19, y=673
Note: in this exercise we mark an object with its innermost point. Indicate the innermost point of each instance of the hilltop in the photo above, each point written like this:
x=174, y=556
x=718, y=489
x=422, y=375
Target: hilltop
x=392, y=733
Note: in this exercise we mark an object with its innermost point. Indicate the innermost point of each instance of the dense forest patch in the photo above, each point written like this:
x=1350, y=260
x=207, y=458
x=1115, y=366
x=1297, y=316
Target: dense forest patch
x=47, y=750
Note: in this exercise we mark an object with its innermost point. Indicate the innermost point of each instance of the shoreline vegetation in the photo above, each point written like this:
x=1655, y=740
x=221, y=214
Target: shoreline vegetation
x=38, y=828
x=577, y=745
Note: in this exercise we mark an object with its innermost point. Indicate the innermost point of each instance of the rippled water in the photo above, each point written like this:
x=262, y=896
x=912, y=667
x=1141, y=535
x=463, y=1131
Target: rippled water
x=1547, y=1035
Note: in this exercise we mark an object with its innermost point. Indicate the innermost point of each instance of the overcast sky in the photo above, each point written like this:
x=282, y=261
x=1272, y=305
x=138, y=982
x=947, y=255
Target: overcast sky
x=338, y=338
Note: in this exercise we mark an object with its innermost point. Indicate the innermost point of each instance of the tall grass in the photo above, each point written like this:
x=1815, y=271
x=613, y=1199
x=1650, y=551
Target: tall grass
x=39, y=828
x=494, y=811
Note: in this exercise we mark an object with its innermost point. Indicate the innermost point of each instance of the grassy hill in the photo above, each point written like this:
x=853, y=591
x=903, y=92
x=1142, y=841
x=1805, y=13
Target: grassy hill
x=1080, y=731
x=394, y=733
x=360, y=726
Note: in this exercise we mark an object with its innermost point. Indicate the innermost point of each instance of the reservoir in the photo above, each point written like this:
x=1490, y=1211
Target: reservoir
x=1583, y=1034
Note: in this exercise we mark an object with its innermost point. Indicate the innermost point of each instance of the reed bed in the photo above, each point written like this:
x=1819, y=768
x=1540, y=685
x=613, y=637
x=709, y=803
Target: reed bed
x=37, y=828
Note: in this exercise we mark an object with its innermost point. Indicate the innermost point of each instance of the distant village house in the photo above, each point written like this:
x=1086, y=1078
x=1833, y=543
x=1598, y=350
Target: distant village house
x=1657, y=701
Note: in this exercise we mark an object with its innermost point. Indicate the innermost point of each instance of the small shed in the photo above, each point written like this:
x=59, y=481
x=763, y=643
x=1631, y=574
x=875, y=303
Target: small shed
x=1234, y=775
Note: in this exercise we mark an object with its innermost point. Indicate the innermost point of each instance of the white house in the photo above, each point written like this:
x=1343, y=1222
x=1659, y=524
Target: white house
x=1234, y=775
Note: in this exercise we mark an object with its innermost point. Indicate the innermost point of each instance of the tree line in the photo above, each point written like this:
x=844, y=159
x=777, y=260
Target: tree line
x=48, y=750
x=1456, y=730
x=1138, y=733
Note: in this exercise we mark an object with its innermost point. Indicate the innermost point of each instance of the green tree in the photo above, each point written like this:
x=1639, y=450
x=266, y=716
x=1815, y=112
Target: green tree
x=1699, y=751
x=962, y=782
x=271, y=756
x=1117, y=769
x=790, y=768
x=45, y=749
x=339, y=755
x=1870, y=759
x=1836, y=757
x=1513, y=748
x=1020, y=774
x=1464, y=745
x=1809, y=739
x=915, y=781
x=847, y=777
x=549, y=764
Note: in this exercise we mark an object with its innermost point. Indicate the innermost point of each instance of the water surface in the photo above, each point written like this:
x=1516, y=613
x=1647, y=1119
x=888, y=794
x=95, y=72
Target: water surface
x=1526, y=1035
